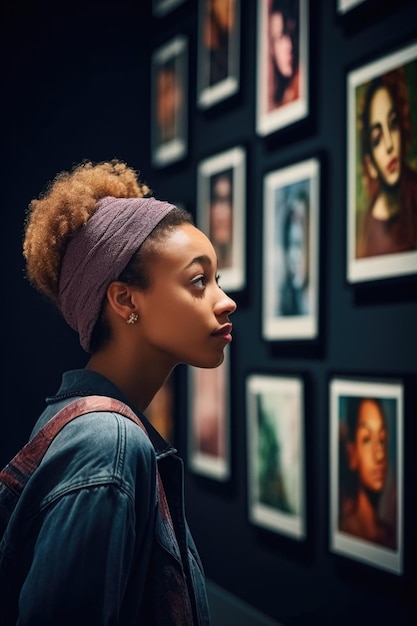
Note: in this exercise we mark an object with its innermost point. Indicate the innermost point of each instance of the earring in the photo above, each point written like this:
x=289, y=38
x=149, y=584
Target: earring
x=133, y=317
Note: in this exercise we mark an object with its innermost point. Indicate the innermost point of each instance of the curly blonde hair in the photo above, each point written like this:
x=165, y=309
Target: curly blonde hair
x=67, y=203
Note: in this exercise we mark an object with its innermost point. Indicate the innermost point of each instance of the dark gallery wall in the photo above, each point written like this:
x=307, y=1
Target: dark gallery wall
x=75, y=85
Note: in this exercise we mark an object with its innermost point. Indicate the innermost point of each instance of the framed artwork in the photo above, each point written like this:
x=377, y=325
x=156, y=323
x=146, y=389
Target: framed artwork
x=382, y=168
x=169, y=102
x=218, y=51
x=209, y=420
x=163, y=7
x=221, y=212
x=282, y=64
x=291, y=216
x=366, y=471
x=276, y=466
x=343, y=6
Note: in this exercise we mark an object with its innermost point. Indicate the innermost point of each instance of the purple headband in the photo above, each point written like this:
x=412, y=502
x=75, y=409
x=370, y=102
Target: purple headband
x=99, y=252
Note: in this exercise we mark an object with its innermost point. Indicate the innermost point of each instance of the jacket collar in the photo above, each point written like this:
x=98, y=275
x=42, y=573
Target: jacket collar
x=81, y=383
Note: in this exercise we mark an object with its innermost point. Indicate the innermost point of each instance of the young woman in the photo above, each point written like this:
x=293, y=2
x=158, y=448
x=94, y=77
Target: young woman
x=283, y=28
x=294, y=290
x=89, y=542
x=367, y=461
x=389, y=224
x=219, y=24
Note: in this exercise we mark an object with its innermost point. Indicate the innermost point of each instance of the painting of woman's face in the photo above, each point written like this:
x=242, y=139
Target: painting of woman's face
x=296, y=260
x=385, y=139
x=281, y=45
x=368, y=451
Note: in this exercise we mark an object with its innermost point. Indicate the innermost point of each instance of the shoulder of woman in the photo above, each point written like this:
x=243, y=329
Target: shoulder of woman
x=105, y=435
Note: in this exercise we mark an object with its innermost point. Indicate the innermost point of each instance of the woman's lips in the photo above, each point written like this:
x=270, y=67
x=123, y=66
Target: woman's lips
x=225, y=332
x=392, y=166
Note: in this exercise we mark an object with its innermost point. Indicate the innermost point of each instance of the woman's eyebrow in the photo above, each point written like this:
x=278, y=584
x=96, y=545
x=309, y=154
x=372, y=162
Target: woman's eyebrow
x=202, y=259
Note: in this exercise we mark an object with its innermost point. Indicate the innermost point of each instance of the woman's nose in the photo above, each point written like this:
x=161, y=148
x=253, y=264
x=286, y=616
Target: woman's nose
x=379, y=451
x=225, y=304
x=388, y=141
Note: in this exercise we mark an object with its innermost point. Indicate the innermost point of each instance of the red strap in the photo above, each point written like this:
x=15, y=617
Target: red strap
x=24, y=463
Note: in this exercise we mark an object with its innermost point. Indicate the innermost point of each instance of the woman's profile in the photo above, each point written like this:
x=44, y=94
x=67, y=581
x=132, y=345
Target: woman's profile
x=363, y=472
x=283, y=26
x=99, y=535
x=389, y=222
x=221, y=217
x=219, y=24
x=294, y=289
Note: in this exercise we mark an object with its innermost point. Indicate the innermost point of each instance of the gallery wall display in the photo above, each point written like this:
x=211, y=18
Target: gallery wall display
x=221, y=212
x=291, y=281
x=366, y=470
x=209, y=420
x=275, y=442
x=292, y=244
x=169, y=102
x=283, y=37
x=382, y=167
x=218, y=51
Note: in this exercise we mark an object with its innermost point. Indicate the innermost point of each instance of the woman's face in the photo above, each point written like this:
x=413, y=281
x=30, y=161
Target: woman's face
x=385, y=138
x=184, y=315
x=168, y=101
x=369, y=451
x=281, y=45
x=224, y=12
x=296, y=253
x=221, y=211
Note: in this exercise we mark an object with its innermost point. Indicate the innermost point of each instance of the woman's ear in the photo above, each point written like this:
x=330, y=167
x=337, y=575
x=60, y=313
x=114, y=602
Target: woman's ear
x=120, y=297
x=372, y=171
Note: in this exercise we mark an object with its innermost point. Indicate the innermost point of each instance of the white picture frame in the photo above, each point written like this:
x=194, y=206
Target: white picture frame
x=221, y=212
x=344, y=6
x=161, y=8
x=276, y=456
x=374, y=251
x=386, y=398
x=282, y=95
x=291, y=248
x=218, y=52
x=169, y=102
x=208, y=449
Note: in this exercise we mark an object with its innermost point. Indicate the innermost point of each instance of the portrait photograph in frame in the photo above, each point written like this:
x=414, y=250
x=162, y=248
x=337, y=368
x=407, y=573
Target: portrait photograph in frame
x=382, y=168
x=169, y=102
x=291, y=225
x=218, y=51
x=366, y=471
x=276, y=459
x=221, y=212
x=282, y=64
x=163, y=7
x=209, y=420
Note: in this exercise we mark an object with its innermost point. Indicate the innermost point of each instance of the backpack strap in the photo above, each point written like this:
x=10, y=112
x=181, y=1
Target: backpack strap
x=17, y=472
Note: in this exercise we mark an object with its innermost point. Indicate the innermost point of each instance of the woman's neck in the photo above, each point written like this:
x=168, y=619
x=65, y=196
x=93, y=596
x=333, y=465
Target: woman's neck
x=139, y=379
x=387, y=205
x=366, y=513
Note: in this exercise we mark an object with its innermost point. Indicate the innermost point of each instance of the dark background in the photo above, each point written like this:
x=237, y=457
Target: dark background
x=75, y=85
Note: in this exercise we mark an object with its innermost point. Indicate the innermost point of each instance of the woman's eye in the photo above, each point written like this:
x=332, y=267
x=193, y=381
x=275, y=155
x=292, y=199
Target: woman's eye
x=218, y=279
x=199, y=281
x=393, y=121
x=375, y=138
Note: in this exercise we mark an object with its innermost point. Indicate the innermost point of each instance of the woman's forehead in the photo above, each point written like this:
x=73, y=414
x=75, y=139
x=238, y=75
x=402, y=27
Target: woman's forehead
x=186, y=244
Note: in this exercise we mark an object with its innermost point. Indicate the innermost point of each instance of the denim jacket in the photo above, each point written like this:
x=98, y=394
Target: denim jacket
x=88, y=542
